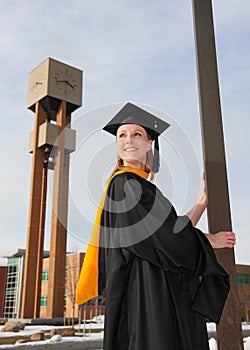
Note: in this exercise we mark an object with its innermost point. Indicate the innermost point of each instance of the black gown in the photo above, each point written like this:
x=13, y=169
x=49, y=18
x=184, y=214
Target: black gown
x=158, y=273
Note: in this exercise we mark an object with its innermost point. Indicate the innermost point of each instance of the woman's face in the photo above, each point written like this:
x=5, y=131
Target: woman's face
x=133, y=143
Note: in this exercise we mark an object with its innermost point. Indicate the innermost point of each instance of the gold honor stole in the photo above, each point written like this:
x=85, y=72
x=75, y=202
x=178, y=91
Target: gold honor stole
x=87, y=286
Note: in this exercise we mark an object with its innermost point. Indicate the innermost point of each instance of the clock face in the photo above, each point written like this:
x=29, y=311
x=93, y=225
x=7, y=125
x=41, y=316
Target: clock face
x=36, y=87
x=57, y=80
x=66, y=82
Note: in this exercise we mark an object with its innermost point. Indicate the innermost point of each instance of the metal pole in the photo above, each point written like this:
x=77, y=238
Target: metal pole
x=219, y=217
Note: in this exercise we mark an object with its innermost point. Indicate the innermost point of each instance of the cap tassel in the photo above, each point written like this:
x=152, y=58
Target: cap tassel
x=156, y=160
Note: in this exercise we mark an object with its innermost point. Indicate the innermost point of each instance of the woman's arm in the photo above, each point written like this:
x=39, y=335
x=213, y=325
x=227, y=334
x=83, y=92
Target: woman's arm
x=195, y=213
x=221, y=239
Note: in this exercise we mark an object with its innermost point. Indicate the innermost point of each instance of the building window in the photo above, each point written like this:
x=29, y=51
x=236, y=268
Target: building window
x=12, y=261
x=45, y=275
x=44, y=301
x=242, y=278
x=12, y=287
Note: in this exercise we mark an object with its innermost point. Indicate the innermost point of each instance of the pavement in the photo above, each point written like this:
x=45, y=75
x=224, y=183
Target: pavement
x=65, y=345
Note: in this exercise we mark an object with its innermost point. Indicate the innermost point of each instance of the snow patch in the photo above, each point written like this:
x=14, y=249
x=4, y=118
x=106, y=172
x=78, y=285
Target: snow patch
x=213, y=344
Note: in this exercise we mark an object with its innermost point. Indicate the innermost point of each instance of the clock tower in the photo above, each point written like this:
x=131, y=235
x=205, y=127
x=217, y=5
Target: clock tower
x=52, y=82
x=54, y=92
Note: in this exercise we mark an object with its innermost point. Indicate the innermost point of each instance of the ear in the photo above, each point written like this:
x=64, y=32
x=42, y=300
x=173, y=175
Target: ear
x=150, y=145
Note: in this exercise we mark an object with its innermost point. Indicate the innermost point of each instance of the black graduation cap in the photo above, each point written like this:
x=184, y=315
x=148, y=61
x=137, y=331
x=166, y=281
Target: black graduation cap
x=132, y=114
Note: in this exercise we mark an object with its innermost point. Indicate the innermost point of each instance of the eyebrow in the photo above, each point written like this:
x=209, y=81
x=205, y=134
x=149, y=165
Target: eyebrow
x=133, y=131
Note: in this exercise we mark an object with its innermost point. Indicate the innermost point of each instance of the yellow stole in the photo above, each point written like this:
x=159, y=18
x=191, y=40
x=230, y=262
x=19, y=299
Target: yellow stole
x=87, y=286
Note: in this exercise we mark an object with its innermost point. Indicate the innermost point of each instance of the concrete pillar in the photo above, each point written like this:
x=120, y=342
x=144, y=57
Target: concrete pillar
x=40, y=243
x=57, y=264
x=31, y=282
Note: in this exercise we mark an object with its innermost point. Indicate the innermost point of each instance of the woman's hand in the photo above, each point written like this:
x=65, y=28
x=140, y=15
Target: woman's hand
x=222, y=239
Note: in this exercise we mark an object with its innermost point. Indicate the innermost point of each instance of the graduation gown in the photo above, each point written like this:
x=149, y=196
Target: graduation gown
x=158, y=273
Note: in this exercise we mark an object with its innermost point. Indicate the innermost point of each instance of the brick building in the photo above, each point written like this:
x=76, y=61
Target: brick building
x=3, y=273
x=11, y=279
x=11, y=276
x=73, y=266
x=243, y=283
x=13, y=283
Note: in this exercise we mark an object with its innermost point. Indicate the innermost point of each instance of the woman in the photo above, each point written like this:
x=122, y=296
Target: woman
x=158, y=273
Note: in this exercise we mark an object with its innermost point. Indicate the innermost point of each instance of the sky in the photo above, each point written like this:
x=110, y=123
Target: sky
x=138, y=51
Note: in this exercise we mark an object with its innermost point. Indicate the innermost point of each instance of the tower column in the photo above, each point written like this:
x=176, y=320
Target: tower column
x=35, y=232
x=57, y=264
x=40, y=243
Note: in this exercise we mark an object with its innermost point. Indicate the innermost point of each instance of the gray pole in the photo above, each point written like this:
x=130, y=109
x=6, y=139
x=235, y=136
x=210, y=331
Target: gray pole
x=219, y=217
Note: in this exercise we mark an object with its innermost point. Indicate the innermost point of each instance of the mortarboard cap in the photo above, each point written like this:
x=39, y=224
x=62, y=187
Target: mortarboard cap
x=132, y=114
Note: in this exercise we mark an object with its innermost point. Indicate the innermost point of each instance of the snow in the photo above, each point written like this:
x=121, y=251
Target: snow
x=246, y=343
x=84, y=334
x=57, y=339
x=213, y=344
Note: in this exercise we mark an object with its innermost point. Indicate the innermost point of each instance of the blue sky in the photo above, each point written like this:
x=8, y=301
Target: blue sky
x=139, y=51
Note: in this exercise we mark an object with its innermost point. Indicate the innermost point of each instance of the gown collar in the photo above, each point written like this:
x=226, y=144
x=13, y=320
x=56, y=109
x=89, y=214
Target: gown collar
x=141, y=173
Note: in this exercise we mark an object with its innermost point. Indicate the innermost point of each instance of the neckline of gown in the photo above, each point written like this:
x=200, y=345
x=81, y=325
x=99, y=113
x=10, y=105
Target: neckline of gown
x=141, y=173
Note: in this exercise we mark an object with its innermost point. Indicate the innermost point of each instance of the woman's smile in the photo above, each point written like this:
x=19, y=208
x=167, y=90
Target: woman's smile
x=130, y=149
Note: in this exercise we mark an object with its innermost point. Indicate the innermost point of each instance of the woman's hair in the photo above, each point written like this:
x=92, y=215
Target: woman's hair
x=148, y=165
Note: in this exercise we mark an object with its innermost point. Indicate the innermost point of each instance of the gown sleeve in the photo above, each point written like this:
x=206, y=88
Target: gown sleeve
x=138, y=220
